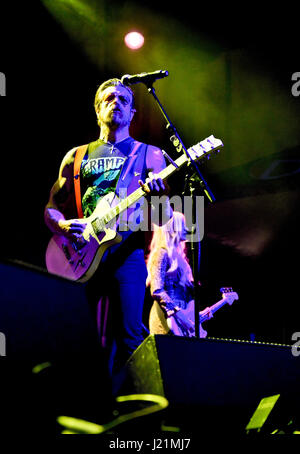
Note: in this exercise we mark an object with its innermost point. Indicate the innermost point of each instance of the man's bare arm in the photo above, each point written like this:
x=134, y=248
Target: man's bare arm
x=62, y=202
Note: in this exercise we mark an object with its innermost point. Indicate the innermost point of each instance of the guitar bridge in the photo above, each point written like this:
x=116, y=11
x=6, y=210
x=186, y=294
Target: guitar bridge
x=81, y=262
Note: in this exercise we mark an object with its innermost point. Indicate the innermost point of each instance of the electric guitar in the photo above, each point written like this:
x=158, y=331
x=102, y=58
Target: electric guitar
x=79, y=261
x=184, y=323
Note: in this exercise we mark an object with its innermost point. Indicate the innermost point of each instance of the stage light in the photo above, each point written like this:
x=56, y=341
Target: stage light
x=134, y=40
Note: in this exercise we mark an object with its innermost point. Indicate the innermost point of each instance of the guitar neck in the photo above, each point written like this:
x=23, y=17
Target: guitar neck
x=200, y=151
x=215, y=307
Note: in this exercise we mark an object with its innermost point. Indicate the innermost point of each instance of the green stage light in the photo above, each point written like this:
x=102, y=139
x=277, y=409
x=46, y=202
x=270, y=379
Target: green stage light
x=262, y=412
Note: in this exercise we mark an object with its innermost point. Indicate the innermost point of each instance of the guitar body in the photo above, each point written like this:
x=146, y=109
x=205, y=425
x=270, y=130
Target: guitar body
x=76, y=262
x=182, y=323
x=185, y=328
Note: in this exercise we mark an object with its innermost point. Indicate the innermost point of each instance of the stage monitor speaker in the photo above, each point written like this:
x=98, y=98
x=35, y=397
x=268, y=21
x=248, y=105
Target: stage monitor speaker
x=53, y=363
x=44, y=317
x=221, y=380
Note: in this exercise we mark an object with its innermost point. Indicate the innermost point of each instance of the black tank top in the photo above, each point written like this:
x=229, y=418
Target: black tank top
x=100, y=170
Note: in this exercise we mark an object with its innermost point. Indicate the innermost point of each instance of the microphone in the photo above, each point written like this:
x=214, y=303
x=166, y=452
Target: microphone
x=145, y=78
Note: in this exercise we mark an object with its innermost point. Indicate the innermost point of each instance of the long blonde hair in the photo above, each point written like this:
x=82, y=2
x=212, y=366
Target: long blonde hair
x=170, y=238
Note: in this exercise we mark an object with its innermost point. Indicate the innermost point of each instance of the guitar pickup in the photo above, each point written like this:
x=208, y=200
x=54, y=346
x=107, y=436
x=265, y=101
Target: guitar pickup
x=67, y=253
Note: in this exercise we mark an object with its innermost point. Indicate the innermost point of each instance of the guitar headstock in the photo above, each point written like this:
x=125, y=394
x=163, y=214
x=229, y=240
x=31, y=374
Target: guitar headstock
x=206, y=147
x=229, y=294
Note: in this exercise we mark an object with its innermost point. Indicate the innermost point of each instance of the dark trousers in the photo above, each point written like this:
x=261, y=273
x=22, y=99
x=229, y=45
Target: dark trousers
x=116, y=293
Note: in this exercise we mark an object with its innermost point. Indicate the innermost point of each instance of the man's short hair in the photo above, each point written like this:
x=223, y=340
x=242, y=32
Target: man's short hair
x=111, y=83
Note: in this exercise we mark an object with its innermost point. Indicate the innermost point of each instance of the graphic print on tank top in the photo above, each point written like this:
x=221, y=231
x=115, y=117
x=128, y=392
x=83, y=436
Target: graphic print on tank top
x=100, y=171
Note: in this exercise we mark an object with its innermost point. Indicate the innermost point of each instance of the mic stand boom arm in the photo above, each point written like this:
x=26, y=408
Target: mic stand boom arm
x=178, y=144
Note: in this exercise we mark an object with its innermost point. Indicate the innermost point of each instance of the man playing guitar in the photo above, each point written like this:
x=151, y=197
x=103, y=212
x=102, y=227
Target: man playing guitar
x=87, y=174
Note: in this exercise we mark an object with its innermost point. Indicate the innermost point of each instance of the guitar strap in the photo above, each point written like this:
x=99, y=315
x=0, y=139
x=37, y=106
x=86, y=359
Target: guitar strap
x=133, y=168
x=131, y=159
x=79, y=155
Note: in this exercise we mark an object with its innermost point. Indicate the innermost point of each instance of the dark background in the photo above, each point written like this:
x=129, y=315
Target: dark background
x=230, y=72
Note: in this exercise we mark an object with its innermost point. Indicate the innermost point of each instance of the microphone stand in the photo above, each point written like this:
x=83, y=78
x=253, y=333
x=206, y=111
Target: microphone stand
x=178, y=144
x=190, y=186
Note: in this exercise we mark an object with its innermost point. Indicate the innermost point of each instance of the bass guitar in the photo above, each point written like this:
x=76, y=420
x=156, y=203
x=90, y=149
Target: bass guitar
x=183, y=322
x=78, y=262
